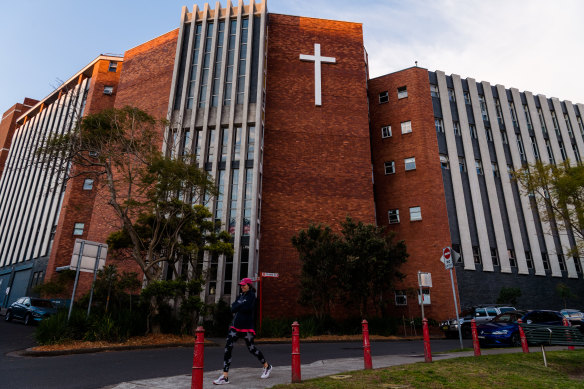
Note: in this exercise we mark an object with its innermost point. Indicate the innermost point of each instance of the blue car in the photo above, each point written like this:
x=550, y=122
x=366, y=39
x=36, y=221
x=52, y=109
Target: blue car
x=503, y=330
x=30, y=310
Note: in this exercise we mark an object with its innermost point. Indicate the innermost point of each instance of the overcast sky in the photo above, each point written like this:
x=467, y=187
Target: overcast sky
x=532, y=45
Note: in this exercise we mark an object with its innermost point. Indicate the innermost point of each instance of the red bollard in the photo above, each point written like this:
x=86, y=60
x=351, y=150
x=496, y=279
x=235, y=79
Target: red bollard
x=366, y=345
x=198, y=359
x=296, y=352
x=567, y=324
x=475, y=338
x=427, y=351
x=524, y=345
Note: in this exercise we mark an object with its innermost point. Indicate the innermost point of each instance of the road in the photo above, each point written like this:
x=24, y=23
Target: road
x=103, y=369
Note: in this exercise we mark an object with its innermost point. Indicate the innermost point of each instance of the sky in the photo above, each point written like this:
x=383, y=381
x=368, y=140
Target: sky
x=532, y=45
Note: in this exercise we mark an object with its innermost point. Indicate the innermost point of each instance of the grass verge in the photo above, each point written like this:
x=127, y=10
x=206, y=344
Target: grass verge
x=565, y=370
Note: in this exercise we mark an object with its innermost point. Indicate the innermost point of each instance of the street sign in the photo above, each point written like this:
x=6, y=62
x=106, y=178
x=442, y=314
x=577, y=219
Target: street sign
x=447, y=258
x=273, y=275
x=425, y=279
x=446, y=252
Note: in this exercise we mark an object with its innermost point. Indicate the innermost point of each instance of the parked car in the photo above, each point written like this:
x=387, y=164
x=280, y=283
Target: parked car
x=481, y=314
x=503, y=330
x=30, y=310
x=575, y=317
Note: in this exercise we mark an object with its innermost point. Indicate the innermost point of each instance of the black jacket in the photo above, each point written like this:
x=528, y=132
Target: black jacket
x=243, y=310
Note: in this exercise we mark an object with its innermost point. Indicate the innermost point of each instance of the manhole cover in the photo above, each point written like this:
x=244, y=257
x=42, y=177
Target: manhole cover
x=340, y=376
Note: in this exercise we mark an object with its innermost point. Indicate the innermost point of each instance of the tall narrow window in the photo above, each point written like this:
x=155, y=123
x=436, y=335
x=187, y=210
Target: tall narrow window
x=224, y=144
x=483, y=106
x=527, y=117
x=233, y=200
x=576, y=153
x=250, y=142
x=541, y=121
x=211, y=146
x=451, y=95
x=495, y=169
x=489, y=134
x=247, y=201
x=534, y=147
x=521, y=148
x=194, y=64
x=218, y=62
x=562, y=150
x=242, y=61
x=479, y=167
x=548, y=147
x=562, y=262
x=221, y=191
x=513, y=114
x=569, y=125
x=467, y=98
x=499, y=112
x=237, y=144
x=206, y=65
x=186, y=142
x=546, y=261
x=512, y=259
x=494, y=257
x=529, y=259
x=434, y=91
x=555, y=122
x=504, y=137
x=581, y=125
x=473, y=131
x=438, y=124
x=462, y=164
x=230, y=62
x=198, y=145
x=476, y=254
x=456, y=128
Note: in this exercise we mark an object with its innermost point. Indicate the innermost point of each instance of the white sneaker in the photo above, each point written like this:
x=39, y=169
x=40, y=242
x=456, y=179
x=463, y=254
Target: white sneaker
x=266, y=372
x=222, y=380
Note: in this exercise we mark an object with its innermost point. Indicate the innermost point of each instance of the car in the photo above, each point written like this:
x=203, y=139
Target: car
x=575, y=317
x=481, y=314
x=30, y=310
x=503, y=330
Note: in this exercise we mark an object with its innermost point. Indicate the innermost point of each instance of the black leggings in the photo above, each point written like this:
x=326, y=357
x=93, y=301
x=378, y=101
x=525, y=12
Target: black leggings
x=232, y=337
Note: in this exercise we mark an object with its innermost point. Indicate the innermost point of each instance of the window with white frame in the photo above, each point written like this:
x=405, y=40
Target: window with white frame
x=534, y=147
x=580, y=124
x=521, y=148
x=489, y=134
x=476, y=254
x=389, y=167
x=467, y=98
x=546, y=261
x=438, y=125
x=527, y=117
x=386, y=131
x=495, y=168
x=494, y=257
x=562, y=262
x=541, y=121
x=479, y=166
x=402, y=92
x=483, y=106
x=406, y=127
x=512, y=259
x=456, y=128
x=504, y=137
x=410, y=163
x=462, y=164
x=444, y=161
x=415, y=214
x=451, y=95
x=434, y=92
x=393, y=216
x=400, y=297
x=78, y=229
x=529, y=259
x=113, y=66
x=88, y=184
x=383, y=97
x=473, y=131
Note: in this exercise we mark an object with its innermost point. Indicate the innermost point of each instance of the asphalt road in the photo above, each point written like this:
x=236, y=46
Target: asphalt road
x=103, y=369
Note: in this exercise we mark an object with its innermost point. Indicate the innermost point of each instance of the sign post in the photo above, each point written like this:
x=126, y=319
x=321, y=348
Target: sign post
x=449, y=265
x=424, y=280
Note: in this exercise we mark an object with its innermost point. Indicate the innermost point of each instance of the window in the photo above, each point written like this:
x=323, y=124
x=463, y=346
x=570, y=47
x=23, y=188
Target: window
x=462, y=164
x=456, y=128
x=512, y=260
x=562, y=150
x=415, y=214
x=520, y=148
x=410, y=163
x=581, y=125
x=495, y=168
x=383, y=97
x=78, y=229
x=556, y=125
x=88, y=184
x=444, y=161
x=489, y=134
x=113, y=66
x=479, y=167
x=434, y=90
x=483, y=108
x=499, y=112
x=529, y=259
x=495, y=257
x=576, y=152
x=400, y=297
x=577, y=264
x=473, y=131
x=548, y=146
x=406, y=127
x=510, y=171
x=389, y=167
x=451, y=95
x=467, y=98
x=402, y=92
x=438, y=125
x=562, y=262
x=476, y=254
x=513, y=114
x=386, y=131
x=108, y=90
x=504, y=137
x=393, y=215
x=527, y=117
x=546, y=261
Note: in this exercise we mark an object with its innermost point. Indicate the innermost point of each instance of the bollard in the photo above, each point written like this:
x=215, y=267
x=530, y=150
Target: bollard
x=427, y=351
x=198, y=359
x=366, y=345
x=475, y=338
x=296, y=352
x=524, y=345
x=567, y=324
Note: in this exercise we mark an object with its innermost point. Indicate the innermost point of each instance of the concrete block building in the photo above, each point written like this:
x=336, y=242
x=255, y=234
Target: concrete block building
x=280, y=110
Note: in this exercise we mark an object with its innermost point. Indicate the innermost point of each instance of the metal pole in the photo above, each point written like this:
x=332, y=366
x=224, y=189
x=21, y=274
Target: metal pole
x=76, y=279
x=475, y=338
x=456, y=310
x=421, y=294
x=94, y=277
x=198, y=359
x=366, y=346
x=427, y=349
x=296, y=375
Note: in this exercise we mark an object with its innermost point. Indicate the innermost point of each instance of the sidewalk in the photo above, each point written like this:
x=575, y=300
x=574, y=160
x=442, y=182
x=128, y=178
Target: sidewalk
x=249, y=378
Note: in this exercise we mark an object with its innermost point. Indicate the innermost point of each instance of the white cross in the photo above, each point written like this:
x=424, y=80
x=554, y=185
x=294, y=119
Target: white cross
x=317, y=59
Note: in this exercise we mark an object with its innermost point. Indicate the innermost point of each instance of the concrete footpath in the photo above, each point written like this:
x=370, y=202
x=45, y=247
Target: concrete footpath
x=249, y=378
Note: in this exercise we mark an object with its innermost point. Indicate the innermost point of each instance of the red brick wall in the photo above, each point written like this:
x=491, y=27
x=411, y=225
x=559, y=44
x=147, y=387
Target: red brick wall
x=422, y=187
x=317, y=161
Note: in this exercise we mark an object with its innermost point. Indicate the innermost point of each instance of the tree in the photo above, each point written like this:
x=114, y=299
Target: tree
x=559, y=189
x=358, y=265
x=509, y=295
x=321, y=256
x=151, y=194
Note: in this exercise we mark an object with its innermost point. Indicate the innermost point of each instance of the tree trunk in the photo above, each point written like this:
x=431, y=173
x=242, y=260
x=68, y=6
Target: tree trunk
x=153, y=319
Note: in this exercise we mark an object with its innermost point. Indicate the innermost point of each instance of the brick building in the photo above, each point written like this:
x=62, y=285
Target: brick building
x=280, y=111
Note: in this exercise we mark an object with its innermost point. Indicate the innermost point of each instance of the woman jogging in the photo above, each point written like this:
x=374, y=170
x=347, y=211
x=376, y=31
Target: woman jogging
x=242, y=327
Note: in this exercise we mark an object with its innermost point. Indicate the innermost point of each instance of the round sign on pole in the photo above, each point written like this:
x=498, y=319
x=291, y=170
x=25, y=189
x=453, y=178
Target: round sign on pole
x=446, y=252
